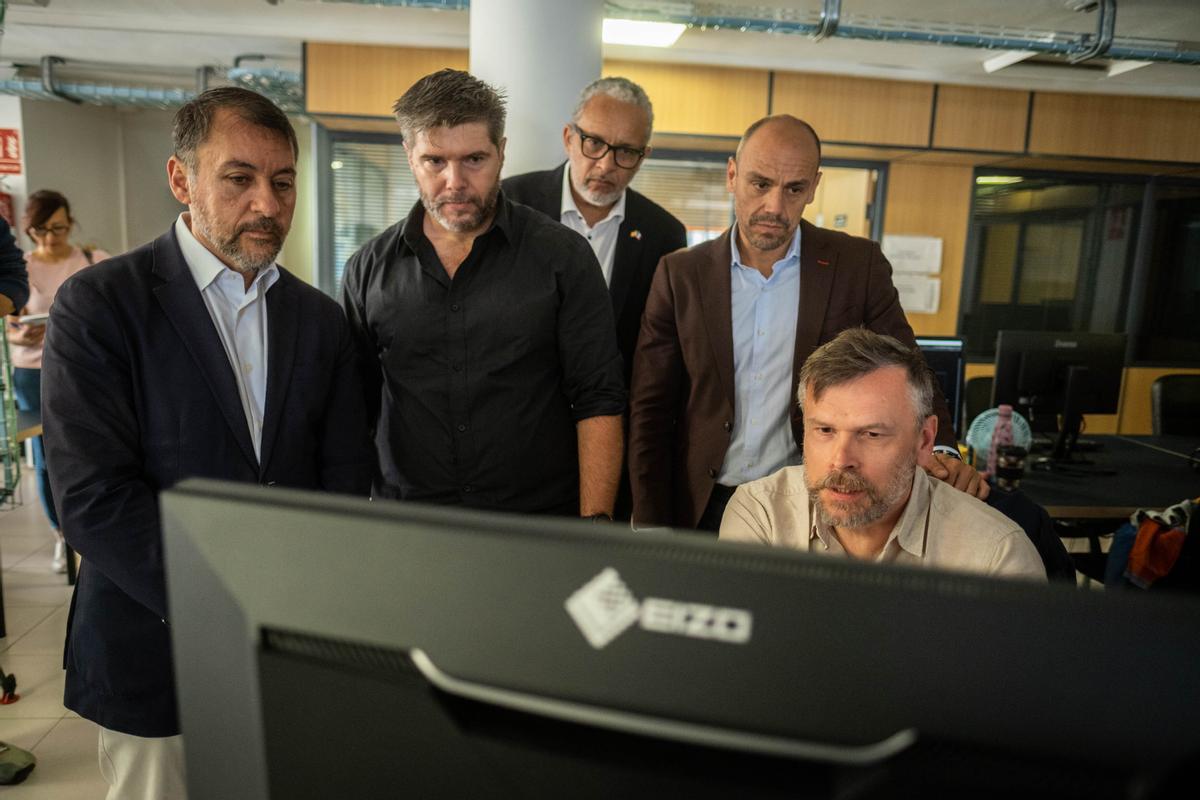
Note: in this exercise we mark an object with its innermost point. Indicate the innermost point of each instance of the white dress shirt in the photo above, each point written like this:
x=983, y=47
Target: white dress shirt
x=603, y=235
x=240, y=317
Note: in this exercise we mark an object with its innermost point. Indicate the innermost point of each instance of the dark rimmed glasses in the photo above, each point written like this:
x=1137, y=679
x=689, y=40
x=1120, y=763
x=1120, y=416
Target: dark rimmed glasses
x=57, y=230
x=596, y=148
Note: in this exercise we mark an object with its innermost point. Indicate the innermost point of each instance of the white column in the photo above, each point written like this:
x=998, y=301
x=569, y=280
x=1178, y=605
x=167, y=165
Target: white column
x=541, y=52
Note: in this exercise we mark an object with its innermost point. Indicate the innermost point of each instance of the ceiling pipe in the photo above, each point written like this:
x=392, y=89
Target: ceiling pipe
x=831, y=11
x=48, y=83
x=1104, y=33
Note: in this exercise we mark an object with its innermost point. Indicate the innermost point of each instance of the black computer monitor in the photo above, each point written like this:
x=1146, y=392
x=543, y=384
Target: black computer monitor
x=944, y=355
x=329, y=647
x=1053, y=376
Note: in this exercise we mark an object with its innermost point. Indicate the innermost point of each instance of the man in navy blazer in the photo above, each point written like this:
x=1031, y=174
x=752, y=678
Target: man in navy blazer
x=193, y=355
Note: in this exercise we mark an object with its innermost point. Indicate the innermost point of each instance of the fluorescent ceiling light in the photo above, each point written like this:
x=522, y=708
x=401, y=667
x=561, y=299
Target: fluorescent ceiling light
x=1006, y=59
x=997, y=180
x=1121, y=67
x=640, y=32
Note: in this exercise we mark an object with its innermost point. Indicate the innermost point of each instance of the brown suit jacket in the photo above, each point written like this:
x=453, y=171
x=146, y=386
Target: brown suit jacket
x=682, y=395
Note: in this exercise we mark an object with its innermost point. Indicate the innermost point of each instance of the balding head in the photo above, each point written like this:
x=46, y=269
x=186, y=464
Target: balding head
x=773, y=176
x=784, y=126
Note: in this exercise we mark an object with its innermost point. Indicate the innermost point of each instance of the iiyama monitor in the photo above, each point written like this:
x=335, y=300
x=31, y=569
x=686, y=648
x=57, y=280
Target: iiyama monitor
x=333, y=648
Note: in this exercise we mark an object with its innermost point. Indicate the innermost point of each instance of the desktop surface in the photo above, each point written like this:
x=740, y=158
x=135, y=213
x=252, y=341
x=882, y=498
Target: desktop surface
x=1125, y=473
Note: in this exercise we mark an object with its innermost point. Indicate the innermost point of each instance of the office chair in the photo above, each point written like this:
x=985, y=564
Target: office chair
x=1040, y=529
x=977, y=398
x=1175, y=405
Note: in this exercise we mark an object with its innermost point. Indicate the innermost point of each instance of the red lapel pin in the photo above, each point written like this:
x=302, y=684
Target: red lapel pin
x=822, y=262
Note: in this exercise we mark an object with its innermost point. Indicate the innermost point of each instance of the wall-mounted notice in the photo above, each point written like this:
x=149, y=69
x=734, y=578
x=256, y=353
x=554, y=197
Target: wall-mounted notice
x=919, y=294
x=921, y=255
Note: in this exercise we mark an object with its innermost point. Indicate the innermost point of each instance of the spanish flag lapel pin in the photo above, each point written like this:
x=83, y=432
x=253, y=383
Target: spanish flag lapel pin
x=635, y=234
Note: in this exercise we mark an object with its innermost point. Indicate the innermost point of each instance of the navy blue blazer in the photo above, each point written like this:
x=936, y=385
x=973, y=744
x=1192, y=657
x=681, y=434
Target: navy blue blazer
x=139, y=394
x=647, y=233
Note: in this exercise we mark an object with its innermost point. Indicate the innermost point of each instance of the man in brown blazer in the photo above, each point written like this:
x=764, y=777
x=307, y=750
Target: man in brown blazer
x=712, y=398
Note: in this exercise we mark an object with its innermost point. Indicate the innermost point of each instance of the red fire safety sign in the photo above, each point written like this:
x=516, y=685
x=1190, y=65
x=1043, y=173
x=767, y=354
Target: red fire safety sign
x=10, y=151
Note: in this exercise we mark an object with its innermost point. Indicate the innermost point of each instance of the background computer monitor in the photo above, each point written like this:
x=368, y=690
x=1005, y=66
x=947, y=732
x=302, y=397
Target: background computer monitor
x=330, y=647
x=1047, y=375
x=944, y=355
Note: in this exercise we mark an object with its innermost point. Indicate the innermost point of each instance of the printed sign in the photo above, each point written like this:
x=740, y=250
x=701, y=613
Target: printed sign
x=10, y=151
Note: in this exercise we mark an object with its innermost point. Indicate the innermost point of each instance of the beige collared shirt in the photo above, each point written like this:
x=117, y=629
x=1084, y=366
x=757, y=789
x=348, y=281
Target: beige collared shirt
x=941, y=527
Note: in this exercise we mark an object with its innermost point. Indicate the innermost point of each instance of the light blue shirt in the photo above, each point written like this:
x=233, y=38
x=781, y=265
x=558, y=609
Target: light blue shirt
x=240, y=317
x=764, y=346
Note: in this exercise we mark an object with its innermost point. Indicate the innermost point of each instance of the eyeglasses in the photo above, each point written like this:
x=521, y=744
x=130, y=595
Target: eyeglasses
x=596, y=148
x=57, y=230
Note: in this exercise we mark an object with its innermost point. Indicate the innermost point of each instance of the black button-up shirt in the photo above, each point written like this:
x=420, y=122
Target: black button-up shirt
x=476, y=383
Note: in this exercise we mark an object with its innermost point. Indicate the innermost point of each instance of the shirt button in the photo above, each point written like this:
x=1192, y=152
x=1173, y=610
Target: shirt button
x=454, y=307
x=246, y=369
x=457, y=367
x=462, y=428
x=467, y=489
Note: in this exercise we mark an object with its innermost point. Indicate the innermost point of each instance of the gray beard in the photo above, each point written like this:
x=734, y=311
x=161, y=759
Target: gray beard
x=483, y=210
x=880, y=501
x=233, y=253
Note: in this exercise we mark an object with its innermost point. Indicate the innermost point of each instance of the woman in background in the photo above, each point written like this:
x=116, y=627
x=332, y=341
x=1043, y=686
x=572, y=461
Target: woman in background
x=48, y=223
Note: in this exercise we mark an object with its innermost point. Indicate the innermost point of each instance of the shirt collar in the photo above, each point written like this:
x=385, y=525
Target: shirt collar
x=909, y=531
x=414, y=230
x=569, y=206
x=207, y=268
x=791, y=256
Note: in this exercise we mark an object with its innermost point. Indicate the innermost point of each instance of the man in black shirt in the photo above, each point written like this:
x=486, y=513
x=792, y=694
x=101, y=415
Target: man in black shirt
x=484, y=329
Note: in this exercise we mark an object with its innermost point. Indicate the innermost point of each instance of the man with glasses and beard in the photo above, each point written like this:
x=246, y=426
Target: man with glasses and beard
x=606, y=142
x=193, y=355
x=484, y=329
x=868, y=420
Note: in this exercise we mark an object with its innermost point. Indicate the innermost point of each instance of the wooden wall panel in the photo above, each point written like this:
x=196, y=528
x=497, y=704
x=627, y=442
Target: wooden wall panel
x=1109, y=126
x=845, y=109
x=1136, y=417
x=929, y=200
x=695, y=99
x=365, y=80
x=973, y=118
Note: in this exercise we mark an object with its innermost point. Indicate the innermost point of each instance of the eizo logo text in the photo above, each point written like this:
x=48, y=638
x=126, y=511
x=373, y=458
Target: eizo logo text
x=604, y=608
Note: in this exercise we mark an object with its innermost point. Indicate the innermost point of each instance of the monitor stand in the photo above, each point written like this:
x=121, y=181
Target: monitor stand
x=1064, y=458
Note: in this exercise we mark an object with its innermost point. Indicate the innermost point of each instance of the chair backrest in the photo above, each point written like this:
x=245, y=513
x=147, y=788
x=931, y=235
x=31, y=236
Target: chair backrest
x=1175, y=405
x=977, y=398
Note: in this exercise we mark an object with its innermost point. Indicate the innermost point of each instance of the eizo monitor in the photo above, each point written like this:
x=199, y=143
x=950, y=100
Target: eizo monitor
x=334, y=648
x=1047, y=375
x=944, y=355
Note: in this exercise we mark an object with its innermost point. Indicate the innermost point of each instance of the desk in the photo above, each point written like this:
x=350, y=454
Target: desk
x=1151, y=472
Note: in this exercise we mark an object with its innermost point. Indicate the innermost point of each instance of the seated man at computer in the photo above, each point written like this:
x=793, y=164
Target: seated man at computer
x=868, y=417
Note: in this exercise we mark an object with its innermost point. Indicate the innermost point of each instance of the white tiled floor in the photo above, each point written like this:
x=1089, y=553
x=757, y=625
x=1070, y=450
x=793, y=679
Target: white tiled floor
x=35, y=614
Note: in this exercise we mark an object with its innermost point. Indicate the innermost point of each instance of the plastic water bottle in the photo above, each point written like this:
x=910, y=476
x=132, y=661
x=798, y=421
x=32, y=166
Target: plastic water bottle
x=1002, y=436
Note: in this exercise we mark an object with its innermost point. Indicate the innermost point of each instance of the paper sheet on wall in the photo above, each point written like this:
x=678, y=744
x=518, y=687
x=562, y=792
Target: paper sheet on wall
x=919, y=294
x=916, y=254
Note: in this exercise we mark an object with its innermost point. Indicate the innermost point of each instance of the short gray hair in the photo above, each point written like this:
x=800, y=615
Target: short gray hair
x=618, y=88
x=856, y=352
x=449, y=98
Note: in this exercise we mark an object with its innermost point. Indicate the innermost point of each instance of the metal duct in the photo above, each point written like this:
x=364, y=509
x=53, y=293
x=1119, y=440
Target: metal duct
x=283, y=87
x=831, y=22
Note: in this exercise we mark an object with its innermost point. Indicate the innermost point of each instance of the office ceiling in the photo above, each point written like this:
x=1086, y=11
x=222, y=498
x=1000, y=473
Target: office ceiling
x=175, y=37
